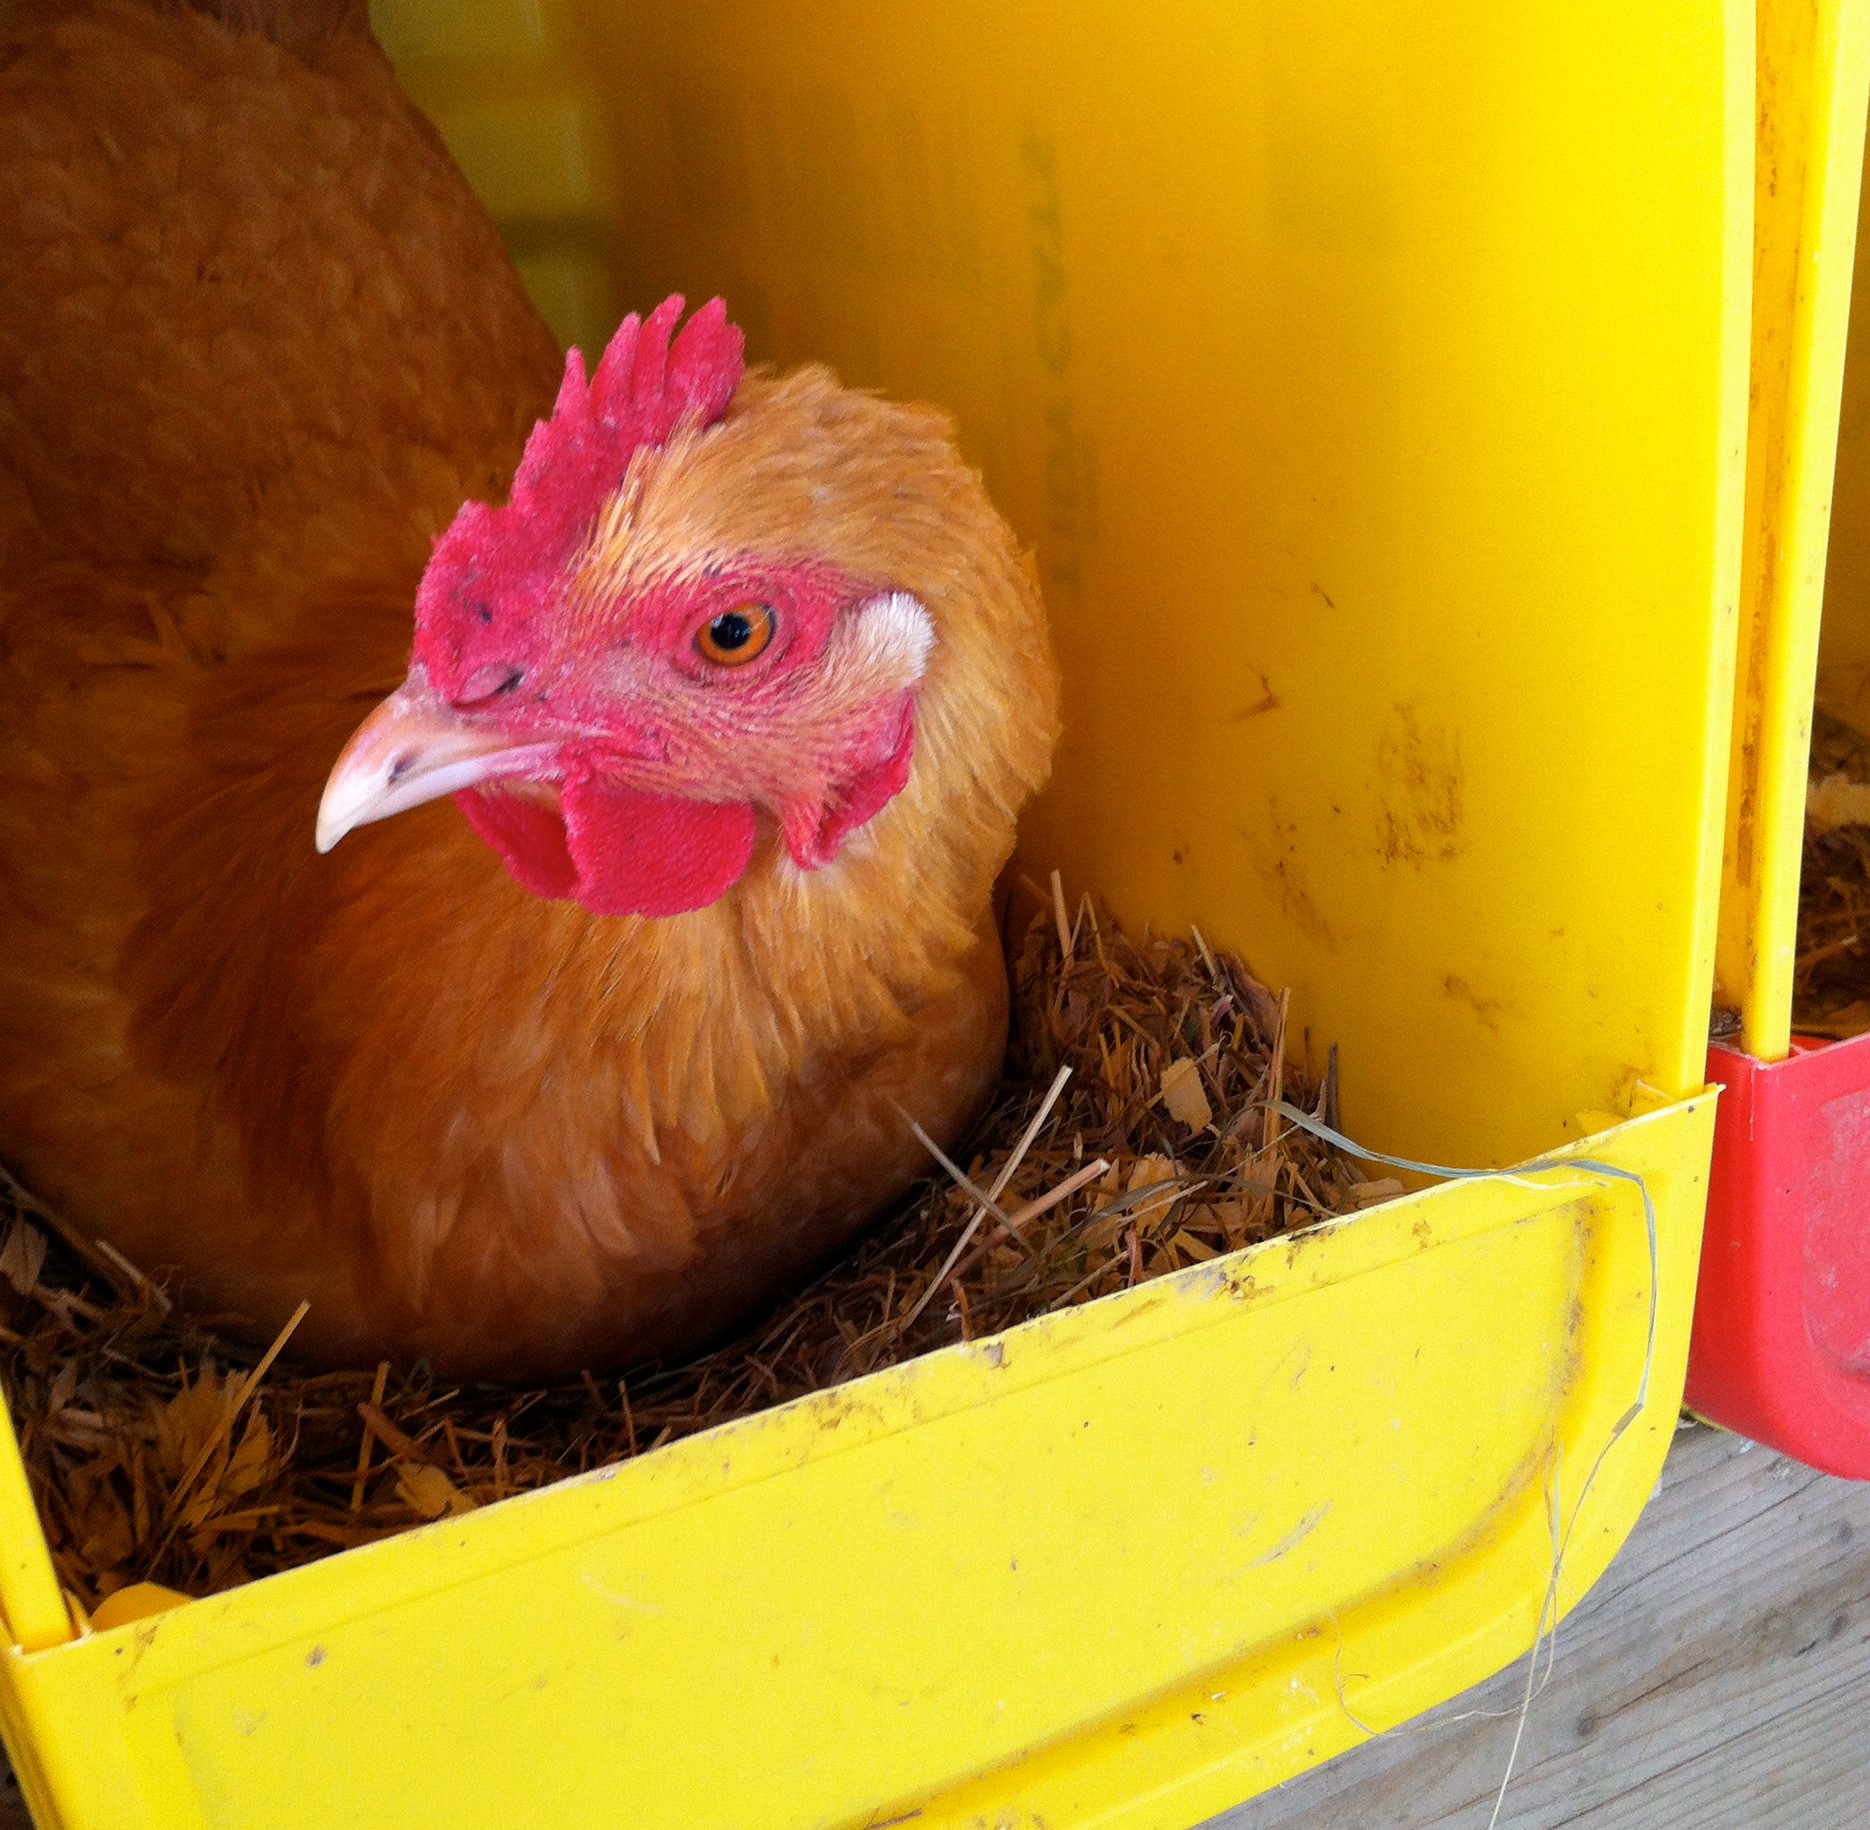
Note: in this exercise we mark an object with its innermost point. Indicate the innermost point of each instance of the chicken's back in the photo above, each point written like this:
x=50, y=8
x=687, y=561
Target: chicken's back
x=249, y=306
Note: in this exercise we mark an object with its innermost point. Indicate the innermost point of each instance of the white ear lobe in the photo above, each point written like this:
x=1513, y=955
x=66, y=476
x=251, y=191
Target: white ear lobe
x=890, y=638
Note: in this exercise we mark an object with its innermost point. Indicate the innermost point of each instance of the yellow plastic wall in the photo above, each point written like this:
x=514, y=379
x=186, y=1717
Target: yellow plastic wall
x=1358, y=373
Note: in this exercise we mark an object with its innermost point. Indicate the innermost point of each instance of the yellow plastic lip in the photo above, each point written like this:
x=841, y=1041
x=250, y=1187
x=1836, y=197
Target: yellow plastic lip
x=30, y=1598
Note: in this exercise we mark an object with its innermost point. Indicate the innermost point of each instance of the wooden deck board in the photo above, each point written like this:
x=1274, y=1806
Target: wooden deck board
x=1717, y=1678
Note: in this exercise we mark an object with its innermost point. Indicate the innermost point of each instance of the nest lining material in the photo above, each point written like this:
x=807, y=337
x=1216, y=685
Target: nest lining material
x=1133, y=1135
x=1831, y=973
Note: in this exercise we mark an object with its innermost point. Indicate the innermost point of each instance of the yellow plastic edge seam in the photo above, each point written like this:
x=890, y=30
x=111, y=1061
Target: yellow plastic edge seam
x=1815, y=81
x=1787, y=83
x=1712, y=890
x=36, y=1615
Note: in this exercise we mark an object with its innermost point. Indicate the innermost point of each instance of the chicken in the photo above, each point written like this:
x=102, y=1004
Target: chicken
x=716, y=710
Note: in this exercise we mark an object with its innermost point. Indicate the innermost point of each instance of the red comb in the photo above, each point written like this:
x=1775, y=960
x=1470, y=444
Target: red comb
x=487, y=567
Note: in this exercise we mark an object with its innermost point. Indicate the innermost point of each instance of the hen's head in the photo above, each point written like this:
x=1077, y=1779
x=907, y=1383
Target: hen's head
x=669, y=634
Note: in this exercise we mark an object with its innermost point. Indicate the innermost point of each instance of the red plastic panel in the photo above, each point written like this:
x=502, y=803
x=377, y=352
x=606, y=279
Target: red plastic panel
x=1781, y=1347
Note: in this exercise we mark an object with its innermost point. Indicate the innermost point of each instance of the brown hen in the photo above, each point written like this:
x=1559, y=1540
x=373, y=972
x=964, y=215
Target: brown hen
x=579, y=1065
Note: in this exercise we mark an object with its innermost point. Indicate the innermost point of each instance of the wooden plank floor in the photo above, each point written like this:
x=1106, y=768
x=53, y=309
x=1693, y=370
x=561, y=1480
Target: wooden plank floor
x=1718, y=1678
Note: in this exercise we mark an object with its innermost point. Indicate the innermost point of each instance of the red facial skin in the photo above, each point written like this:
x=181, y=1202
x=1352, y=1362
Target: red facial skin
x=619, y=731
x=613, y=761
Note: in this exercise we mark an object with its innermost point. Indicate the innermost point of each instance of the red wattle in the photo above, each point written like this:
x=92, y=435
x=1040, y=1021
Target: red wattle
x=653, y=854
x=815, y=835
x=527, y=836
x=617, y=851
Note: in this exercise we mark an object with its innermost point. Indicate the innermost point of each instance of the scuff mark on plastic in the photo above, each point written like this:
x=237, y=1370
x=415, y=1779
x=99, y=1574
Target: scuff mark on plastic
x=588, y=1581
x=1294, y=1538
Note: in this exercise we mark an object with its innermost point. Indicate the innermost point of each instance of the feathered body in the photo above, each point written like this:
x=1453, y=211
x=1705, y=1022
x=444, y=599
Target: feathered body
x=258, y=345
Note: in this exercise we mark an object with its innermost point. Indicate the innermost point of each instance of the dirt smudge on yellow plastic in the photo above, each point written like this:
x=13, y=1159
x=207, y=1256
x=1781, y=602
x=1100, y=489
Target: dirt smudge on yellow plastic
x=1278, y=864
x=1488, y=1010
x=1418, y=790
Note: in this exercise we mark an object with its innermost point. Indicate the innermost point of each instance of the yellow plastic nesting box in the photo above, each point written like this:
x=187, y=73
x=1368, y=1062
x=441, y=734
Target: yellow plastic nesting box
x=1372, y=382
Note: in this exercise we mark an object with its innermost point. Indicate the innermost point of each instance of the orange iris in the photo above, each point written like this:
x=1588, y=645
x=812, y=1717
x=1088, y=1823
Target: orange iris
x=736, y=636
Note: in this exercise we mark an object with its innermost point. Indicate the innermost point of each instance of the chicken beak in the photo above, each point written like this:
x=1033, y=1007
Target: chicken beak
x=415, y=747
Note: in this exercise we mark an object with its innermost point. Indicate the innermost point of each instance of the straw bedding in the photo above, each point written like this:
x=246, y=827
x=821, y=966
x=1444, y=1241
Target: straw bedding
x=1133, y=1136
x=1831, y=982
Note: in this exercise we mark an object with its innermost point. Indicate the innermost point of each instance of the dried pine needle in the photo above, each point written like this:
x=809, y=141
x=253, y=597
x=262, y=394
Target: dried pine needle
x=1132, y=1137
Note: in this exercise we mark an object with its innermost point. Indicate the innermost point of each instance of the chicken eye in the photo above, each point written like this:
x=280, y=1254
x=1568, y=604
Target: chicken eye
x=736, y=636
